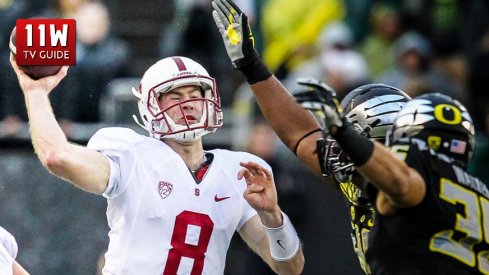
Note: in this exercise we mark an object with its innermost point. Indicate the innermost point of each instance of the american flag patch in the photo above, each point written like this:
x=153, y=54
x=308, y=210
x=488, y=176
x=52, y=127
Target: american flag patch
x=457, y=146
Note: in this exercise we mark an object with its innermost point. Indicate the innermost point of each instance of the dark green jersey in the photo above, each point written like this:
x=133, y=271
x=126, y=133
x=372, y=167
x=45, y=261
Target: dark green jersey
x=447, y=233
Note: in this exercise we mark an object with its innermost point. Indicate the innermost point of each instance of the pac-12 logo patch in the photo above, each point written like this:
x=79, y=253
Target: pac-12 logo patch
x=165, y=188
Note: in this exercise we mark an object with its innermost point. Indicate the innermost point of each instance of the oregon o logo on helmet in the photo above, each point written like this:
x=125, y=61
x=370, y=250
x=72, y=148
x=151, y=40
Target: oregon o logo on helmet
x=440, y=116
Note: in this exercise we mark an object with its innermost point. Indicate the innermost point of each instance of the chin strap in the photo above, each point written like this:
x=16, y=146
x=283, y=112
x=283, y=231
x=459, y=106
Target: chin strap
x=137, y=121
x=136, y=93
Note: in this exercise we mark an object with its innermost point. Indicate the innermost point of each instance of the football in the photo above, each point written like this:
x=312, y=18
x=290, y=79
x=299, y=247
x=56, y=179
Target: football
x=34, y=72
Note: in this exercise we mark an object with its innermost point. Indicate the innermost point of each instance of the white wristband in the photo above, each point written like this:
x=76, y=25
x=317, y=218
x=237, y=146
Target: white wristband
x=283, y=241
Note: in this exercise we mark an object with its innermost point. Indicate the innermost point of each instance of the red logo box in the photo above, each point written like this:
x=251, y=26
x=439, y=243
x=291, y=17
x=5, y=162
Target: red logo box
x=46, y=41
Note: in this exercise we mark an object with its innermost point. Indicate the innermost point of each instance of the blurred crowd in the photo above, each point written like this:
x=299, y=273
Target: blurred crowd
x=100, y=56
x=419, y=46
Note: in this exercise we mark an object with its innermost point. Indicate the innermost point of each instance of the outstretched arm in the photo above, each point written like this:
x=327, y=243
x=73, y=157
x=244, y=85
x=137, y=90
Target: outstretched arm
x=87, y=169
x=296, y=127
x=401, y=186
x=270, y=233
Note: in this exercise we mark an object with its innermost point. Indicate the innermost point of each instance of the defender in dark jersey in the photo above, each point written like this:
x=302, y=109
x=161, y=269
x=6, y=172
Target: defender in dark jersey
x=370, y=109
x=431, y=216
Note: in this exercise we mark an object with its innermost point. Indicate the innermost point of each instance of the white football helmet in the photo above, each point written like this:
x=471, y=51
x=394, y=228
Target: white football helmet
x=165, y=75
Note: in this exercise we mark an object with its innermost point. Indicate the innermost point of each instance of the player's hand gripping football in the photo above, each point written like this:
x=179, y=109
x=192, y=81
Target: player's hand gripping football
x=45, y=84
x=319, y=97
x=260, y=191
x=236, y=33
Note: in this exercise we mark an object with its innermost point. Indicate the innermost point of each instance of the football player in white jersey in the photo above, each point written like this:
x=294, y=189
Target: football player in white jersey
x=8, y=253
x=172, y=207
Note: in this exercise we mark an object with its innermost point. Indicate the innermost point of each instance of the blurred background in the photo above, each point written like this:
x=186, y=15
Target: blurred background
x=418, y=46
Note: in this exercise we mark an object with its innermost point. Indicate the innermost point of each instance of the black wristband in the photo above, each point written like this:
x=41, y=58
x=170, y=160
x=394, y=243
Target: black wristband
x=256, y=71
x=359, y=148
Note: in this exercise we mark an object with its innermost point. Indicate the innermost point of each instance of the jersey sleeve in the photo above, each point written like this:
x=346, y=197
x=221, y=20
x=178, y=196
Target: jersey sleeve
x=6, y=261
x=117, y=145
x=8, y=241
x=417, y=159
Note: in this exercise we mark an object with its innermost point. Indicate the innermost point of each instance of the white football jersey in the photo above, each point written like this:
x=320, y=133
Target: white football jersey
x=6, y=261
x=161, y=221
x=8, y=251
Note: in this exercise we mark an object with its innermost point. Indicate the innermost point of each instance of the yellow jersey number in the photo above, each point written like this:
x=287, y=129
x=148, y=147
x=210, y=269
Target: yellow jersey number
x=470, y=224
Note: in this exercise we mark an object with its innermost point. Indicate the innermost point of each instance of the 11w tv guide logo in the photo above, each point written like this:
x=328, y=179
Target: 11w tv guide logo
x=46, y=41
